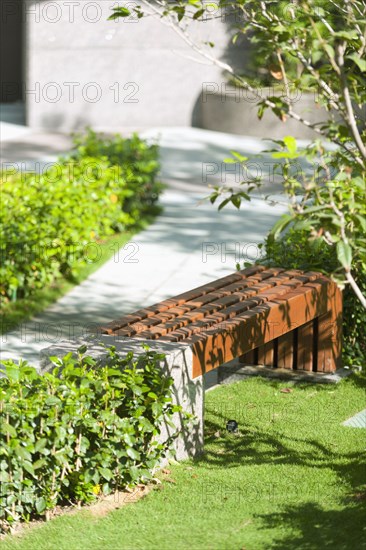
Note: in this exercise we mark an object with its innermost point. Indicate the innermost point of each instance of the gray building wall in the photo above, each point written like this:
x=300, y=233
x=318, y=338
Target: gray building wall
x=113, y=75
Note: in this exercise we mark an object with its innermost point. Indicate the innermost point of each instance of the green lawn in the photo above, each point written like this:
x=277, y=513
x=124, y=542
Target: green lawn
x=292, y=478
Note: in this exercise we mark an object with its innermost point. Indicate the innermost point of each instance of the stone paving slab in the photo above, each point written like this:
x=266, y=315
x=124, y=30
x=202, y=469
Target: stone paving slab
x=356, y=421
x=191, y=158
x=234, y=371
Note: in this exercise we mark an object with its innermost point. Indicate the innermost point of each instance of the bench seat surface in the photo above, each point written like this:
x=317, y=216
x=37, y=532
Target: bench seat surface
x=286, y=318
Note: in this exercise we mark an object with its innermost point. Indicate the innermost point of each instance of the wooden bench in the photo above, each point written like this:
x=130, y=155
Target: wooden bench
x=285, y=318
x=265, y=316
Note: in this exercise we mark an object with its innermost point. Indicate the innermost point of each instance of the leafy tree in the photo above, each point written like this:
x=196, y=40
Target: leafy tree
x=312, y=45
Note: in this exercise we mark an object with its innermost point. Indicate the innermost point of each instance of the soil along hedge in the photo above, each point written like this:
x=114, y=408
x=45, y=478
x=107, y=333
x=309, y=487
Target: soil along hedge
x=50, y=221
x=82, y=431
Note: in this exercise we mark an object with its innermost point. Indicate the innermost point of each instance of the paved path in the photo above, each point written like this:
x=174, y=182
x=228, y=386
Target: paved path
x=189, y=244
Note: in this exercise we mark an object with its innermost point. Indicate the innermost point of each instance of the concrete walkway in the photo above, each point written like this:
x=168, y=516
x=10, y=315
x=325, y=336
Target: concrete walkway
x=190, y=244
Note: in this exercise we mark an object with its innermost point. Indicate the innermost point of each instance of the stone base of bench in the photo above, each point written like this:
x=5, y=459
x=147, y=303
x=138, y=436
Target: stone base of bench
x=236, y=371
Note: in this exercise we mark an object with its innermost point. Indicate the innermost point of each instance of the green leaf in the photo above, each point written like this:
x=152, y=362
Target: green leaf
x=280, y=225
x=4, y=476
x=28, y=467
x=362, y=222
x=347, y=35
x=316, y=55
x=106, y=473
x=361, y=63
x=8, y=429
x=236, y=201
x=344, y=254
x=180, y=11
x=39, y=463
x=129, y=439
x=40, y=445
x=55, y=360
x=119, y=12
x=291, y=144
x=330, y=50
x=89, y=361
x=261, y=109
x=132, y=453
x=40, y=505
x=52, y=401
x=223, y=204
x=198, y=14
x=23, y=453
x=283, y=155
x=238, y=156
x=61, y=432
x=12, y=372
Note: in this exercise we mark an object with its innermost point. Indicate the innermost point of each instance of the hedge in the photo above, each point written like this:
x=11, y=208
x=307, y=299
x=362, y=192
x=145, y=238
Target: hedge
x=49, y=221
x=84, y=430
x=139, y=160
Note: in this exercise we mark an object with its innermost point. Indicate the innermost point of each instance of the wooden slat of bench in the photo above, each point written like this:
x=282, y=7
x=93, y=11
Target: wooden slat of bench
x=156, y=326
x=304, y=348
x=258, y=326
x=266, y=354
x=188, y=329
x=212, y=299
x=285, y=351
x=329, y=336
x=225, y=307
x=249, y=358
x=247, y=277
x=181, y=299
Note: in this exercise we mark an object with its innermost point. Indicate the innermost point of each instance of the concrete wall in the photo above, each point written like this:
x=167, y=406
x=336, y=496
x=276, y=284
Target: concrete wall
x=114, y=75
x=233, y=110
x=135, y=74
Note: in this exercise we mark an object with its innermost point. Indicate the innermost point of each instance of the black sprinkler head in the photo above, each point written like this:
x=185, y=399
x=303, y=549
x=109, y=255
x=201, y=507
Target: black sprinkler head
x=232, y=426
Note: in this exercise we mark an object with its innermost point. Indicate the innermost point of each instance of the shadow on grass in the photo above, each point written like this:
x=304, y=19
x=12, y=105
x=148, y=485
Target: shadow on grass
x=243, y=449
x=336, y=522
x=317, y=528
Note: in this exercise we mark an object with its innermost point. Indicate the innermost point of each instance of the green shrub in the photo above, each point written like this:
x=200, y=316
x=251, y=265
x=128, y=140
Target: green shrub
x=49, y=223
x=83, y=430
x=138, y=160
x=294, y=250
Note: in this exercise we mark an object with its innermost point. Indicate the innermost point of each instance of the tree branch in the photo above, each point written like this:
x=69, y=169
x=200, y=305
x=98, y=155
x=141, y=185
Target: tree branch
x=347, y=100
x=356, y=288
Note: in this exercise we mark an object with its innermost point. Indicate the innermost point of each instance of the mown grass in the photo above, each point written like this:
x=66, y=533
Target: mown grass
x=292, y=478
